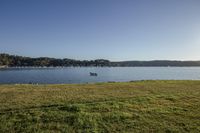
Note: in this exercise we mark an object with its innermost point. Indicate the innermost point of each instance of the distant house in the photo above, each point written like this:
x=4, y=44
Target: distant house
x=3, y=66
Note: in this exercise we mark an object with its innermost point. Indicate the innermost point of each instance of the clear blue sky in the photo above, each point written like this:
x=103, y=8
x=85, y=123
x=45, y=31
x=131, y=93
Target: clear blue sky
x=110, y=29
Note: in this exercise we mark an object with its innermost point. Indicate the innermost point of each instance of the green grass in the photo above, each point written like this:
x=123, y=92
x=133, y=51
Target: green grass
x=144, y=106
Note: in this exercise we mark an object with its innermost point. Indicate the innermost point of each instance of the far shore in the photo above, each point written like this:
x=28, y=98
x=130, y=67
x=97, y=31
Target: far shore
x=10, y=67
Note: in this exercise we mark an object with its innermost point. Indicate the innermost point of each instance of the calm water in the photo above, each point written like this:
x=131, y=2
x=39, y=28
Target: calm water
x=105, y=74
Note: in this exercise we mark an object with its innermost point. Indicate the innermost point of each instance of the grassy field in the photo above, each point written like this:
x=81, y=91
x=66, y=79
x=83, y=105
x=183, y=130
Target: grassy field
x=144, y=106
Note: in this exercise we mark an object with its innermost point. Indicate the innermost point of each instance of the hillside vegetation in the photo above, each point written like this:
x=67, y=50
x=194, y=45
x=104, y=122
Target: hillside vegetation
x=144, y=106
x=20, y=61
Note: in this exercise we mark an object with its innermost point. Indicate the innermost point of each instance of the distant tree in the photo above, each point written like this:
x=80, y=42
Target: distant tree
x=13, y=60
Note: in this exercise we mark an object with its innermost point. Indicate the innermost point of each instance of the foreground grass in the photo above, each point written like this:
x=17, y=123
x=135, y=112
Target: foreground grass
x=145, y=106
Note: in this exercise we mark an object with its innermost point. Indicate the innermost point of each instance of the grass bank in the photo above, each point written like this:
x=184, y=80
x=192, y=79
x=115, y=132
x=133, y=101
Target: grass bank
x=144, y=106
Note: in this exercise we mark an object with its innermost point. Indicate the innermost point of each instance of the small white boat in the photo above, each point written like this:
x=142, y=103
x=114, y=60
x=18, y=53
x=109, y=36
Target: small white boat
x=93, y=74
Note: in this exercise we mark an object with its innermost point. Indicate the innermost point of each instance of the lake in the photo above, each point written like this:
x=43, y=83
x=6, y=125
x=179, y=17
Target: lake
x=105, y=74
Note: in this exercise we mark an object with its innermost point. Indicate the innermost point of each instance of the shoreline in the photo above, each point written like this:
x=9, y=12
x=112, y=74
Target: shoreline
x=96, y=83
x=8, y=67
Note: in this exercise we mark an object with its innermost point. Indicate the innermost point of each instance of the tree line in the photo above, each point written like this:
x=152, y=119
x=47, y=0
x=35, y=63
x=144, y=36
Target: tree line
x=20, y=61
x=17, y=61
x=157, y=63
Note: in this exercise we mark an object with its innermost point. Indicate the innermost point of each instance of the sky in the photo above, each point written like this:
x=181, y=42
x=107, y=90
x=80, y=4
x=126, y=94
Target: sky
x=117, y=30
